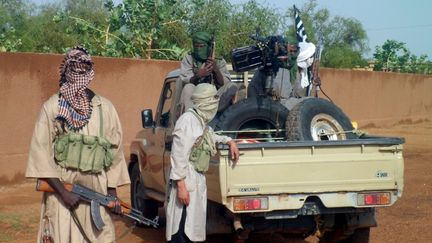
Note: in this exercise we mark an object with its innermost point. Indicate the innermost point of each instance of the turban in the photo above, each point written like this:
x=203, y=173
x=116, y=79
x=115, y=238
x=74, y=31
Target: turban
x=305, y=60
x=202, y=37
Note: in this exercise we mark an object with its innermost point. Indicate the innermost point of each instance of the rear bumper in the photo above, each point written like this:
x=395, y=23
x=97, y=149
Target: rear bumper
x=311, y=204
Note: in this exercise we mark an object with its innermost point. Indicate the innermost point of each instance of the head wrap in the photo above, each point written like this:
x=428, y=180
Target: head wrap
x=202, y=37
x=307, y=50
x=201, y=53
x=304, y=60
x=76, y=72
x=205, y=104
x=204, y=101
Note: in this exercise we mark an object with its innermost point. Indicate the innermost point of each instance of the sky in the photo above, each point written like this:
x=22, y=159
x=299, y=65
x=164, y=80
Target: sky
x=401, y=20
x=407, y=21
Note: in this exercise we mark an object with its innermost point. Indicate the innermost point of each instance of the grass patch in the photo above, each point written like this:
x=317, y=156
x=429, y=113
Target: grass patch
x=10, y=224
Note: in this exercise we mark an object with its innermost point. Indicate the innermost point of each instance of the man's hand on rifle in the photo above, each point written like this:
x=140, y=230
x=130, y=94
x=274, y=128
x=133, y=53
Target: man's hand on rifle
x=71, y=200
x=205, y=70
x=117, y=207
x=210, y=63
x=215, y=69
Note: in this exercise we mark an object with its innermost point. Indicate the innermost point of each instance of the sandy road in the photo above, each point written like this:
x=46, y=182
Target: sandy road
x=409, y=220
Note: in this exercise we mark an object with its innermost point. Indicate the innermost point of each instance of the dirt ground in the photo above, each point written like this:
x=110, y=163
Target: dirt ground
x=406, y=221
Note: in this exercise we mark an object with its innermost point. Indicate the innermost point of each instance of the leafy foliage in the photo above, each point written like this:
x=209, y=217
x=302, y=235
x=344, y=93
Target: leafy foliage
x=13, y=16
x=393, y=56
x=344, y=39
x=161, y=29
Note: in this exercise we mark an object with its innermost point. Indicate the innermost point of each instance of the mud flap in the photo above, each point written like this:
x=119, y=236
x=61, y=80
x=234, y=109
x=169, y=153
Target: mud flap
x=360, y=220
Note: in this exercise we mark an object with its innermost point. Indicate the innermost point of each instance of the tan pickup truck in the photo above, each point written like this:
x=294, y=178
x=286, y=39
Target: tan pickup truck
x=301, y=171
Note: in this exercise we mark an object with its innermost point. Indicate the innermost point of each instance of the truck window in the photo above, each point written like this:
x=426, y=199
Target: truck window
x=166, y=100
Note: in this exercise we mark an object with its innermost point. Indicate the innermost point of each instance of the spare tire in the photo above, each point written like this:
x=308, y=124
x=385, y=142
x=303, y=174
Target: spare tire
x=253, y=114
x=318, y=119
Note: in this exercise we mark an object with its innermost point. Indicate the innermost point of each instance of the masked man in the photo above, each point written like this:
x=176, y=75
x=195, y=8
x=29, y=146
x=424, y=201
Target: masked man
x=202, y=67
x=77, y=139
x=194, y=142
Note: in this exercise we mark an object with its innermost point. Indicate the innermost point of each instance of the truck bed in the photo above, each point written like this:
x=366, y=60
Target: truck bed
x=314, y=168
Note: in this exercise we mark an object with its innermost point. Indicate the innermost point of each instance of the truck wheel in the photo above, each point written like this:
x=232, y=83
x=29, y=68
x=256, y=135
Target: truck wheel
x=318, y=119
x=253, y=114
x=140, y=201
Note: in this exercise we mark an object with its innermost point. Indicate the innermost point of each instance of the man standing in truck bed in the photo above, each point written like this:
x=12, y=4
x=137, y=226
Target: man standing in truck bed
x=201, y=66
x=290, y=81
x=194, y=142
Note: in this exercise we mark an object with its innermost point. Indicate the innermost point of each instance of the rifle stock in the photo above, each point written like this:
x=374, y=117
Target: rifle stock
x=43, y=186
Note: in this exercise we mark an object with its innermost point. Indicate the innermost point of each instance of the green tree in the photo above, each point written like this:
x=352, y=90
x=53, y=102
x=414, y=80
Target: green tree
x=244, y=21
x=139, y=24
x=391, y=56
x=134, y=28
x=394, y=56
x=230, y=24
x=13, y=16
x=344, y=39
x=161, y=29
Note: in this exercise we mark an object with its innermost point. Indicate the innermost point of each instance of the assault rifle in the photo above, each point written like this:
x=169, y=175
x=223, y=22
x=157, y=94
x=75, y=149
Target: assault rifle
x=314, y=88
x=97, y=199
x=213, y=48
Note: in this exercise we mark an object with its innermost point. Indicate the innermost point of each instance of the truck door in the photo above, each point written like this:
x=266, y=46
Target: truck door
x=166, y=122
x=157, y=147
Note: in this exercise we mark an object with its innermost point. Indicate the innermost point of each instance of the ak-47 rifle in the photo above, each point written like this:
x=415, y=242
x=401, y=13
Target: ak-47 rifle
x=212, y=56
x=97, y=199
x=314, y=88
x=213, y=49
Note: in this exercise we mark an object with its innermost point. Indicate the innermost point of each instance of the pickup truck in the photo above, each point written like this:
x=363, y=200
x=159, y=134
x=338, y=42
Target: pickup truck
x=315, y=177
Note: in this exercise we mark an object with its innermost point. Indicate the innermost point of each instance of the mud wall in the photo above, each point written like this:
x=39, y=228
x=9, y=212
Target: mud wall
x=378, y=98
x=27, y=80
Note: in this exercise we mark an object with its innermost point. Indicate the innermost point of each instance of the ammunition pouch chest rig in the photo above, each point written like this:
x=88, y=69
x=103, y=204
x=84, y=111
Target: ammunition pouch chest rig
x=86, y=153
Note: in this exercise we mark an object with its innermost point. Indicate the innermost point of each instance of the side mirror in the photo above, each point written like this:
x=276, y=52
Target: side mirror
x=147, y=118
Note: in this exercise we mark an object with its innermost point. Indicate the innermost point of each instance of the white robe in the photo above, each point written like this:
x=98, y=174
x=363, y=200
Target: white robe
x=187, y=129
x=41, y=164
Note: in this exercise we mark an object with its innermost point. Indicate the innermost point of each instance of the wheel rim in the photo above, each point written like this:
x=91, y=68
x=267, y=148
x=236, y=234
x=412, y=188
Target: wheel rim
x=325, y=127
x=139, y=193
